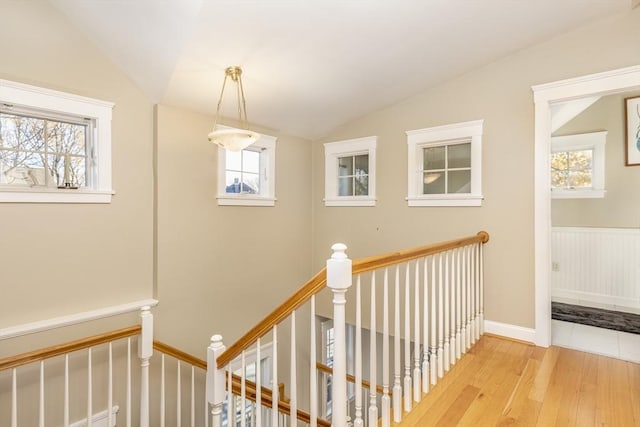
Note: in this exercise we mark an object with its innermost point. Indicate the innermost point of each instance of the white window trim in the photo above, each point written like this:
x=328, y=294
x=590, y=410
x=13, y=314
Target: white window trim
x=585, y=141
x=19, y=94
x=267, y=178
x=349, y=147
x=439, y=136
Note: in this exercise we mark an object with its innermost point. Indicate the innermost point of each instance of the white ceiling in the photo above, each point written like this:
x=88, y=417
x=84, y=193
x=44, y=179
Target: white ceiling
x=312, y=65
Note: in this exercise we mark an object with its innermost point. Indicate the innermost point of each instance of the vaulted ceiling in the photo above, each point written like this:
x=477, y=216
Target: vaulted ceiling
x=312, y=65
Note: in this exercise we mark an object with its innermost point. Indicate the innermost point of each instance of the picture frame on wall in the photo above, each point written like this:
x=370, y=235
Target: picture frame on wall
x=632, y=131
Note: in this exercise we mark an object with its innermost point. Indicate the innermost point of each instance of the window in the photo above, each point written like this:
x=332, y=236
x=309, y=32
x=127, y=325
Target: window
x=577, y=165
x=445, y=165
x=350, y=172
x=54, y=146
x=247, y=177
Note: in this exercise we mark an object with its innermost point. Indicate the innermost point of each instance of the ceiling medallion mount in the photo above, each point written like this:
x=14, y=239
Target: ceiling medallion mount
x=233, y=139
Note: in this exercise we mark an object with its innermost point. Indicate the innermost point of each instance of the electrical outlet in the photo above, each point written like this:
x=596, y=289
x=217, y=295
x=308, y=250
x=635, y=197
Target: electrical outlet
x=555, y=266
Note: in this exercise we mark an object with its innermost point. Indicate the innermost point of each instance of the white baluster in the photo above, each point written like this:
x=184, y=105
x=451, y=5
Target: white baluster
x=472, y=315
x=215, y=391
x=259, y=384
x=14, y=397
x=110, y=388
x=339, y=280
x=417, y=389
x=65, y=416
x=128, y=417
x=447, y=283
x=452, y=303
x=433, y=358
x=293, y=416
x=193, y=396
x=386, y=400
x=458, y=301
x=440, y=318
x=407, y=340
x=89, y=390
x=373, y=351
x=358, y=422
x=162, y=392
x=477, y=328
x=231, y=403
x=397, y=386
x=481, y=249
x=41, y=414
x=243, y=390
x=425, y=329
x=145, y=351
x=313, y=374
x=468, y=302
x=274, y=385
x=463, y=322
x=178, y=397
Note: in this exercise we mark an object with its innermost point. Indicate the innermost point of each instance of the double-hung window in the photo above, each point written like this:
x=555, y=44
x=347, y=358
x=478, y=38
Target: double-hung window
x=247, y=177
x=444, y=165
x=577, y=165
x=54, y=147
x=350, y=168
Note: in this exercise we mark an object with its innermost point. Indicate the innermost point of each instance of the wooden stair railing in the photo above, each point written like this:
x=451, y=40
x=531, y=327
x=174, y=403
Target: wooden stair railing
x=459, y=269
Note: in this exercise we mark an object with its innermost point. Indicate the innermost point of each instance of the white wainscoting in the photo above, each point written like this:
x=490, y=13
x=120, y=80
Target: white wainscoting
x=597, y=267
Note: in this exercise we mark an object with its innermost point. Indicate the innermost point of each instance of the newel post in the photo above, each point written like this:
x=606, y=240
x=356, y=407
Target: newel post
x=145, y=351
x=339, y=280
x=215, y=380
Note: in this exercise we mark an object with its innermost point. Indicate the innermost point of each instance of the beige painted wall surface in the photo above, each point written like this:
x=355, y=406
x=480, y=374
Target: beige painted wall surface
x=65, y=258
x=221, y=269
x=621, y=205
x=499, y=93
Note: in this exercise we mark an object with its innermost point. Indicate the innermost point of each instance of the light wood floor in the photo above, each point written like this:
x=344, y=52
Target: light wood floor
x=501, y=382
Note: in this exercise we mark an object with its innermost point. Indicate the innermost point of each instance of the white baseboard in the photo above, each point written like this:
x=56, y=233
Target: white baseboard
x=101, y=419
x=510, y=331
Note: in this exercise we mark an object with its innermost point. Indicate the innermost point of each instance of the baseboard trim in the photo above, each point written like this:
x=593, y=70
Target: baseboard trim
x=510, y=331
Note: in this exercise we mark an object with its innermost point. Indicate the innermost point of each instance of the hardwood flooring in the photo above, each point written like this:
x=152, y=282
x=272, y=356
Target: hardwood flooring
x=501, y=382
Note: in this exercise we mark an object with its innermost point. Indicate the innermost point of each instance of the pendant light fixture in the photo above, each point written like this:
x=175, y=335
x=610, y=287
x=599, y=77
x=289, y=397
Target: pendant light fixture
x=233, y=139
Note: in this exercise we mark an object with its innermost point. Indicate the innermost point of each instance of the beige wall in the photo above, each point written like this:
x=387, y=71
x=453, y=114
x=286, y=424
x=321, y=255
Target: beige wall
x=499, y=93
x=59, y=259
x=223, y=268
x=621, y=205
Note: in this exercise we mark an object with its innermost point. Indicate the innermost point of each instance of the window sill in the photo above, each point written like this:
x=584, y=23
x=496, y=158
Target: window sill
x=577, y=194
x=445, y=200
x=246, y=201
x=351, y=201
x=53, y=195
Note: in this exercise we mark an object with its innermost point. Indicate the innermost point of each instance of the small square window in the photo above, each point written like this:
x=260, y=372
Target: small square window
x=445, y=165
x=247, y=177
x=577, y=165
x=350, y=172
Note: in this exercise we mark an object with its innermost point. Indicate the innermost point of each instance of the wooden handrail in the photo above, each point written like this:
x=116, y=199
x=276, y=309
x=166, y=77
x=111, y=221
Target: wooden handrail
x=318, y=282
x=179, y=354
x=69, y=347
x=350, y=378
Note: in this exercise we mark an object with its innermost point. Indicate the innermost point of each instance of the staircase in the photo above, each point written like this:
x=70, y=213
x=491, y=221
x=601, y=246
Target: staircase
x=359, y=343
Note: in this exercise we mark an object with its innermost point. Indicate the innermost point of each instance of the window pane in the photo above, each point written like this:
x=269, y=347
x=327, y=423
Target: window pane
x=459, y=156
x=233, y=160
x=345, y=186
x=251, y=183
x=76, y=168
x=232, y=182
x=558, y=179
x=345, y=166
x=251, y=161
x=433, y=158
x=579, y=179
x=21, y=133
x=65, y=137
x=433, y=183
x=572, y=169
x=362, y=164
x=459, y=182
x=580, y=160
x=361, y=184
x=28, y=169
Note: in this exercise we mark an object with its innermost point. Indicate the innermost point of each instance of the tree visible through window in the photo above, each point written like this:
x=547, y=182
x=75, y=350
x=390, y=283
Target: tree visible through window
x=353, y=175
x=572, y=169
x=43, y=151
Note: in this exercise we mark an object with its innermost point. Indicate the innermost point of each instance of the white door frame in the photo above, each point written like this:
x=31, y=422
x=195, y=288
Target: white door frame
x=545, y=95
